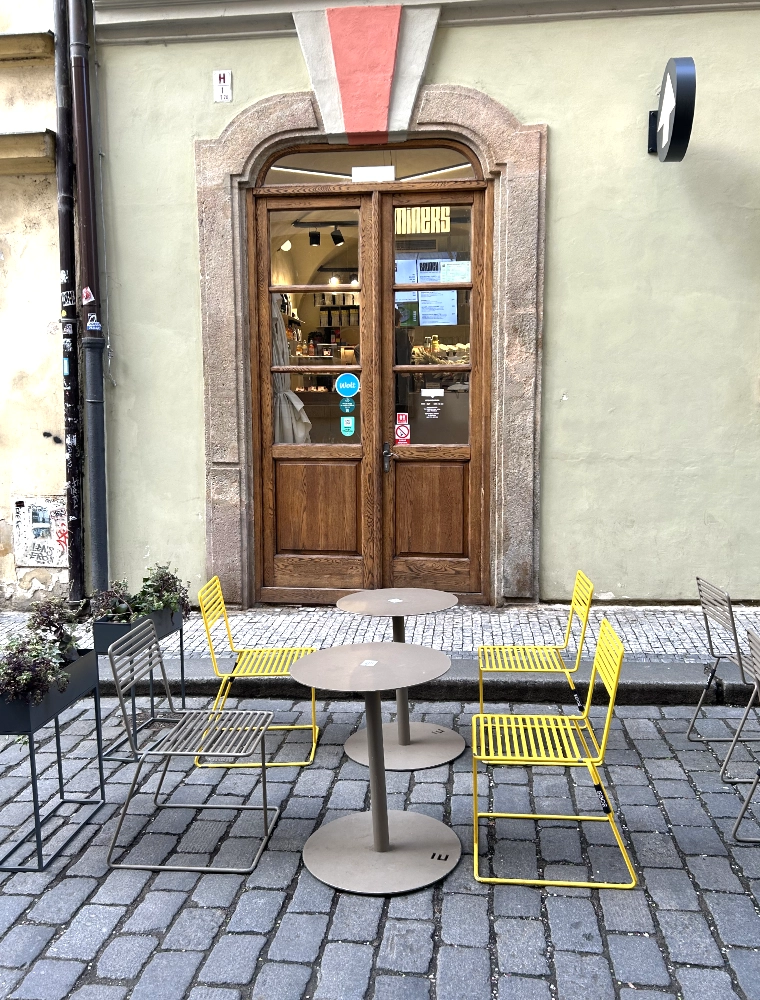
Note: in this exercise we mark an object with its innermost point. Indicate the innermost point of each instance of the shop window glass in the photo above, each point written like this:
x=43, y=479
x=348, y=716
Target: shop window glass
x=314, y=247
x=407, y=164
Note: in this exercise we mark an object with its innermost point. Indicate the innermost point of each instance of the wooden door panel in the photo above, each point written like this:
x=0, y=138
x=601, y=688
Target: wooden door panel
x=431, y=507
x=325, y=571
x=451, y=574
x=317, y=507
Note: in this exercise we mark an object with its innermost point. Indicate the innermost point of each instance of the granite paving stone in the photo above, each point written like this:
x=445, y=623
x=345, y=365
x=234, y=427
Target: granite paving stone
x=49, y=980
x=705, y=984
x=637, y=960
x=463, y=973
x=298, y=937
x=688, y=938
x=280, y=981
x=125, y=956
x=407, y=946
x=194, y=929
x=344, y=971
x=256, y=912
x=233, y=959
x=401, y=988
x=167, y=975
x=22, y=944
x=521, y=947
x=736, y=918
x=356, y=918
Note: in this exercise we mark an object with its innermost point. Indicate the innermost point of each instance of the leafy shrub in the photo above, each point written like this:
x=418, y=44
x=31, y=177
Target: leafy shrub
x=161, y=588
x=28, y=667
x=54, y=620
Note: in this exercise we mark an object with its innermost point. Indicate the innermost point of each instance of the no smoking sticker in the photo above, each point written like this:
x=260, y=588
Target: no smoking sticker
x=402, y=434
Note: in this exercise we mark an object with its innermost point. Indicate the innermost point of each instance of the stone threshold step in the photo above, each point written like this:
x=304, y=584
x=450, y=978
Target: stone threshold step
x=664, y=683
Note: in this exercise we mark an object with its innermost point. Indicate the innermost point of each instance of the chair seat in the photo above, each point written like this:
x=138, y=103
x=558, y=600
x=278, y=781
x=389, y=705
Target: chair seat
x=531, y=739
x=531, y=659
x=267, y=662
x=232, y=733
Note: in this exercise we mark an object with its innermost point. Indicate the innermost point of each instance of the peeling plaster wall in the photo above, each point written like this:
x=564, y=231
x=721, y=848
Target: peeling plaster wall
x=650, y=434
x=31, y=392
x=155, y=101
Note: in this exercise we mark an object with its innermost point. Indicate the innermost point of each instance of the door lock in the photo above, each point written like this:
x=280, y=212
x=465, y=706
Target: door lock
x=386, y=457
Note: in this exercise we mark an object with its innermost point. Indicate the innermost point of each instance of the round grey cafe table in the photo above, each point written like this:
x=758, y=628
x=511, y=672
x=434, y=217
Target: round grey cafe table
x=408, y=746
x=377, y=853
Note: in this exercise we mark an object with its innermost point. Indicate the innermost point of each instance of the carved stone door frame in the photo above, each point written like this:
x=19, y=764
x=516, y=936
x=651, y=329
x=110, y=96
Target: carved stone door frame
x=513, y=158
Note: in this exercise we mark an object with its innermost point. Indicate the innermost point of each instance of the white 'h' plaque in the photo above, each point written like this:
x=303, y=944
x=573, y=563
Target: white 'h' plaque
x=222, y=86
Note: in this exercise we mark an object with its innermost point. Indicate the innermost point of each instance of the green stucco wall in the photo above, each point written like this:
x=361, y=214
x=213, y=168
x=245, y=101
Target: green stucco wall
x=155, y=100
x=650, y=437
x=651, y=356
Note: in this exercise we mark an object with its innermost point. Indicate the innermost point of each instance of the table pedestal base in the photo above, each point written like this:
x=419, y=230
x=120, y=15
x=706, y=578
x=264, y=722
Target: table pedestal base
x=342, y=854
x=430, y=746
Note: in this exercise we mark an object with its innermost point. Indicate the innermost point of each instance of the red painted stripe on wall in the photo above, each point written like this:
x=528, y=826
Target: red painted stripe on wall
x=364, y=41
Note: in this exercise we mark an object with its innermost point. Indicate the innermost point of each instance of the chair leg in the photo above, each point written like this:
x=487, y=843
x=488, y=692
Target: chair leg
x=475, y=815
x=130, y=795
x=698, y=709
x=724, y=770
x=609, y=817
x=480, y=688
x=742, y=812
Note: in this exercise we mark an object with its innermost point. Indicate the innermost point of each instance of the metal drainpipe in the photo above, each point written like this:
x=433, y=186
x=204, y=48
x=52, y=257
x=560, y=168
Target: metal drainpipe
x=72, y=434
x=92, y=339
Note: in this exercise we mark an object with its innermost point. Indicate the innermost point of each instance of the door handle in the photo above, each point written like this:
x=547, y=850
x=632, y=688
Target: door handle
x=386, y=457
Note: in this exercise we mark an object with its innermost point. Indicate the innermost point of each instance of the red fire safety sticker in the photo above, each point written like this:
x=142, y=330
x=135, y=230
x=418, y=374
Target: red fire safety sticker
x=402, y=434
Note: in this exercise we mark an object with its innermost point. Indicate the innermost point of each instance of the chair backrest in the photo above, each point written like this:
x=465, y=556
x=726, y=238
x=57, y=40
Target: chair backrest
x=608, y=661
x=718, y=610
x=580, y=605
x=211, y=601
x=752, y=662
x=133, y=657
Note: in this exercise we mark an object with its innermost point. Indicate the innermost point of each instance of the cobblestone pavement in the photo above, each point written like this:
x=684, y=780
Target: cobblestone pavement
x=691, y=930
x=650, y=634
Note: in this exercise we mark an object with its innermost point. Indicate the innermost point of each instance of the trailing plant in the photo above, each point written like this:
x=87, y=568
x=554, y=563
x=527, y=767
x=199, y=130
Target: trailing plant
x=54, y=620
x=28, y=667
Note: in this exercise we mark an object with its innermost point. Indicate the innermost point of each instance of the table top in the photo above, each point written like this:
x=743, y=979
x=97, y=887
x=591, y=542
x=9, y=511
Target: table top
x=370, y=666
x=397, y=602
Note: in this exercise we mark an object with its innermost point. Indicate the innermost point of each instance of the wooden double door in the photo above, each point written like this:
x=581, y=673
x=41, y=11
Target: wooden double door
x=371, y=394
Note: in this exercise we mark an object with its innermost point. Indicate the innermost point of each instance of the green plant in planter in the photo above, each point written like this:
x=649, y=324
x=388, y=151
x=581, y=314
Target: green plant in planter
x=116, y=604
x=28, y=667
x=162, y=588
x=54, y=620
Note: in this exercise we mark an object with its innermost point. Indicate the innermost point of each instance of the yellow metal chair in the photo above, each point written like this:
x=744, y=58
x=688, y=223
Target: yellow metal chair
x=251, y=663
x=542, y=659
x=551, y=740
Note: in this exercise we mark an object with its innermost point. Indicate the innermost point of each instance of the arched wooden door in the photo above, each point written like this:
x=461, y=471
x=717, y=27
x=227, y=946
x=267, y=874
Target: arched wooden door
x=371, y=391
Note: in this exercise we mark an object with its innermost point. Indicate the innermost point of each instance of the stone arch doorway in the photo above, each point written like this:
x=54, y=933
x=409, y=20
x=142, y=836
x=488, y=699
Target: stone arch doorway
x=513, y=159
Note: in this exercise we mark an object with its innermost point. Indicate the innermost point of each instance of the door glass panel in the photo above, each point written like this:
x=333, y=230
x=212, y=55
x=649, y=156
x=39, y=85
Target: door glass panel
x=340, y=166
x=314, y=247
x=433, y=343
x=306, y=409
x=319, y=324
x=432, y=243
x=437, y=404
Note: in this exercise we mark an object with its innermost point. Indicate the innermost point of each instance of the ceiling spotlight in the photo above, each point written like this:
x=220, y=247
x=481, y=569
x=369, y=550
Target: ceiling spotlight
x=337, y=237
x=286, y=246
x=355, y=280
x=335, y=280
x=314, y=237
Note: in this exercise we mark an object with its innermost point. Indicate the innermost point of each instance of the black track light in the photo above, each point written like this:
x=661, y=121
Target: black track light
x=337, y=237
x=314, y=237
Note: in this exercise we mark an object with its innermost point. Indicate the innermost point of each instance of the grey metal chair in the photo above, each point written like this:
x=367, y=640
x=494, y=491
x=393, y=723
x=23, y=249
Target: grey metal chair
x=752, y=667
x=229, y=735
x=743, y=811
x=718, y=611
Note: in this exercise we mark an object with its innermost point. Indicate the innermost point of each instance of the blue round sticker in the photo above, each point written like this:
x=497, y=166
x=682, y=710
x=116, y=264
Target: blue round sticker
x=347, y=384
x=347, y=405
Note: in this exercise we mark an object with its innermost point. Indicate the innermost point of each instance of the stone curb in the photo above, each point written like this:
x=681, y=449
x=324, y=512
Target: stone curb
x=664, y=683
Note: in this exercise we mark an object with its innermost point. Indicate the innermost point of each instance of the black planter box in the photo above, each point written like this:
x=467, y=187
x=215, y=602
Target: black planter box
x=19, y=718
x=105, y=632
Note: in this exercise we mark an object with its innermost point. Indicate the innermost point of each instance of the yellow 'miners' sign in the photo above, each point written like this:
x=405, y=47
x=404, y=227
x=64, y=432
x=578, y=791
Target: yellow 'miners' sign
x=425, y=219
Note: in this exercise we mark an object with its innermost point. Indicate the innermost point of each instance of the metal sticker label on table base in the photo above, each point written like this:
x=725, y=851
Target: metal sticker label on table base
x=342, y=854
x=429, y=746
